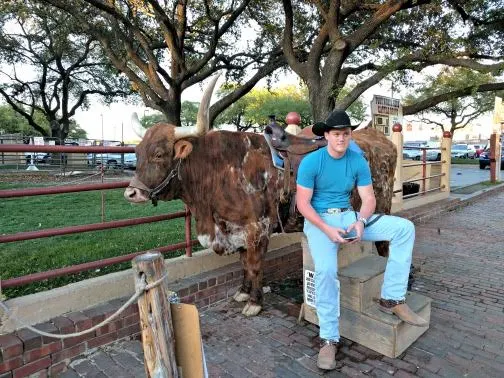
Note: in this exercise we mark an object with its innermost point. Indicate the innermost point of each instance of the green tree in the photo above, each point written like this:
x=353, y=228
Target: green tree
x=165, y=47
x=254, y=109
x=189, y=113
x=11, y=122
x=332, y=43
x=457, y=112
x=49, y=68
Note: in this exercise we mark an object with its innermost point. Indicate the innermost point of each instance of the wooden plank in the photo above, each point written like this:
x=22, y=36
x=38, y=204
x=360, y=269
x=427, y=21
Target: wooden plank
x=310, y=314
x=408, y=334
x=188, y=351
x=370, y=289
x=415, y=301
x=350, y=293
x=367, y=331
x=360, y=282
x=365, y=268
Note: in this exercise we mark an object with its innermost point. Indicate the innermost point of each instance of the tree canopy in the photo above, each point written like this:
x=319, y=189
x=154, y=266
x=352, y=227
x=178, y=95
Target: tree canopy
x=12, y=122
x=456, y=112
x=253, y=111
x=49, y=68
x=165, y=47
x=332, y=43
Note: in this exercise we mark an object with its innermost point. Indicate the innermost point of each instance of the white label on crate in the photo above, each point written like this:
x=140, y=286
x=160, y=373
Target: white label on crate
x=309, y=288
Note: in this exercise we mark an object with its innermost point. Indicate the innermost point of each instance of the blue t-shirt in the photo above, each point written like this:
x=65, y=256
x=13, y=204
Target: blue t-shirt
x=332, y=180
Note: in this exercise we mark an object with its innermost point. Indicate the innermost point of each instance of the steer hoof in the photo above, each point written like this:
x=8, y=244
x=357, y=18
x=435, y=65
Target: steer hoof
x=251, y=309
x=241, y=297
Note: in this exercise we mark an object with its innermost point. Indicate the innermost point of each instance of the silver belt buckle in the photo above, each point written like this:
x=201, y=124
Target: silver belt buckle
x=333, y=210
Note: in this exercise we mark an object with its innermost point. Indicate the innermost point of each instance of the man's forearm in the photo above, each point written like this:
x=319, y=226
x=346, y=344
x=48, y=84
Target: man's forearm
x=367, y=208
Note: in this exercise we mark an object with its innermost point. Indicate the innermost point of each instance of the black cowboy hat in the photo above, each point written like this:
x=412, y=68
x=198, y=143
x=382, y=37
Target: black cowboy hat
x=336, y=120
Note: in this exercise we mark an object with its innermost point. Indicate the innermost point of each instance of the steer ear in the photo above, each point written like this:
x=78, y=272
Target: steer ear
x=182, y=149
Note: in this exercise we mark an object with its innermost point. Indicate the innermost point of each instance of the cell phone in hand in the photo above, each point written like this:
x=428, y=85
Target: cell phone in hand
x=350, y=235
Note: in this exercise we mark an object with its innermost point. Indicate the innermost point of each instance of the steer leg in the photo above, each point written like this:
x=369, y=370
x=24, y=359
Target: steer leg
x=382, y=248
x=255, y=255
x=243, y=293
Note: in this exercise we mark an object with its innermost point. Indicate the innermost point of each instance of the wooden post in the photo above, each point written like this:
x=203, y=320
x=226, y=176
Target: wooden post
x=155, y=317
x=397, y=139
x=293, y=120
x=494, y=165
x=446, y=144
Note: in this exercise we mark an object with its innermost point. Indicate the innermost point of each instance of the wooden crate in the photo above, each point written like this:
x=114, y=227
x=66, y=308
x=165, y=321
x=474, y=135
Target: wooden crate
x=383, y=333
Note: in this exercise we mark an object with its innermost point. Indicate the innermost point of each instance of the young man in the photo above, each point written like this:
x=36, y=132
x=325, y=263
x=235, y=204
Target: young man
x=325, y=181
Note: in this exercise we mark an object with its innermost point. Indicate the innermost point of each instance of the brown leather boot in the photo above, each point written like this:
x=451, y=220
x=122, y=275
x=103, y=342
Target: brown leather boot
x=327, y=355
x=402, y=311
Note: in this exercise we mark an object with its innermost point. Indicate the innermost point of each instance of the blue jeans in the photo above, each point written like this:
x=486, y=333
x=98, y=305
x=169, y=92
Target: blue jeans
x=399, y=232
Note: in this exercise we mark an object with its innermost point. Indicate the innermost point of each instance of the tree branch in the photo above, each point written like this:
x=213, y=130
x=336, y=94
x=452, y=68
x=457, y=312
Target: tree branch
x=430, y=102
x=288, y=44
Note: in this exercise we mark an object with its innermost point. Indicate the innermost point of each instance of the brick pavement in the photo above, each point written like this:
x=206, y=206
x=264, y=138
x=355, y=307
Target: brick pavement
x=460, y=260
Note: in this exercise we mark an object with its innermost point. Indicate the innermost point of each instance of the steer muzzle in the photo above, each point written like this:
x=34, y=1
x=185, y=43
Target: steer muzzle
x=136, y=192
x=135, y=195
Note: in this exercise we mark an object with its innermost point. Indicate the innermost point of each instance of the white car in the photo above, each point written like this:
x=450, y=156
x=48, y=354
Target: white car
x=412, y=150
x=462, y=151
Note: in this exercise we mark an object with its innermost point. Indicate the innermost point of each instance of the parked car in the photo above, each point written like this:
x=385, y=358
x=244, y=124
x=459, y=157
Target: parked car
x=412, y=150
x=130, y=160
x=38, y=157
x=462, y=151
x=484, y=159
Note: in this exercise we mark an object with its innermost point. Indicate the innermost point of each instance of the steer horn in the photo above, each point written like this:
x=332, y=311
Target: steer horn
x=137, y=126
x=203, y=118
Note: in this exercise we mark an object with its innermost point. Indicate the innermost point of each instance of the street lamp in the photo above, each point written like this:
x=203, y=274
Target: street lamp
x=102, y=138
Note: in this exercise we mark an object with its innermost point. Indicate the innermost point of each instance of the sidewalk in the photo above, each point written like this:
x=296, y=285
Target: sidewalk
x=461, y=260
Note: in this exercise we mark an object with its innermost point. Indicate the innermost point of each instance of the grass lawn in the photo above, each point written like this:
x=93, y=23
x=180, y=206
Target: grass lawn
x=465, y=161
x=43, y=212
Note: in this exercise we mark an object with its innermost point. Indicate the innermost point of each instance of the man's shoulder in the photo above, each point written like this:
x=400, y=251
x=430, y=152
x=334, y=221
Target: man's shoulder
x=356, y=156
x=315, y=155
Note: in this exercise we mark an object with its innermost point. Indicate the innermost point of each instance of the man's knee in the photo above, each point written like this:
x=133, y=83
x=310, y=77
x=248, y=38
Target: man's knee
x=327, y=271
x=408, y=227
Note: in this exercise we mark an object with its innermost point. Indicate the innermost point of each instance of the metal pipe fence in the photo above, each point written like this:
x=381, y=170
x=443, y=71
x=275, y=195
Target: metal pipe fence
x=424, y=163
x=187, y=244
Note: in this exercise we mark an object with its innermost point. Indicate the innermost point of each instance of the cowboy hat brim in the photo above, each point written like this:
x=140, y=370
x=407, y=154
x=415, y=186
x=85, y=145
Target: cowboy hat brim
x=320, y=128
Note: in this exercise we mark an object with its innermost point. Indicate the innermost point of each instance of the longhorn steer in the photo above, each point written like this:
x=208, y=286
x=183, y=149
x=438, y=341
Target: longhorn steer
x=228, y=181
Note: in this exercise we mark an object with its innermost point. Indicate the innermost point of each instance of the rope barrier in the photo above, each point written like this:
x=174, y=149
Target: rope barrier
x=9, y=314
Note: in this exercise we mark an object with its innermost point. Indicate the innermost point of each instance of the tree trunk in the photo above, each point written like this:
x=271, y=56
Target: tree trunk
x=321, y=101
x=57, y=132
x=172, y=108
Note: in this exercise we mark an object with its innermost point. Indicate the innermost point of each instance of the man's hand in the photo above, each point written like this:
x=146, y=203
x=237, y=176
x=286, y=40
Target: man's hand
x=358, y=226
x=336, y=234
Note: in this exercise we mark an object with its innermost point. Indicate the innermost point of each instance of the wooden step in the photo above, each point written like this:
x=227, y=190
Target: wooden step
x=360, y=282
x=347, y=255
x=383, y=333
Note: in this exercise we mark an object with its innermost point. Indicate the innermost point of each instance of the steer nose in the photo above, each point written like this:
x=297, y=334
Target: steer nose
x=130, y=193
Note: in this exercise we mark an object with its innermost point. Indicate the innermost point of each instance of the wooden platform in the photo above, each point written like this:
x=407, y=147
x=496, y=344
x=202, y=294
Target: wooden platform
x=361, y=278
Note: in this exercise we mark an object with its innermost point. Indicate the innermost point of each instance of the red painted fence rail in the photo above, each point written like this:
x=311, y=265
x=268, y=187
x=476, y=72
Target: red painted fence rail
x=16, y=193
